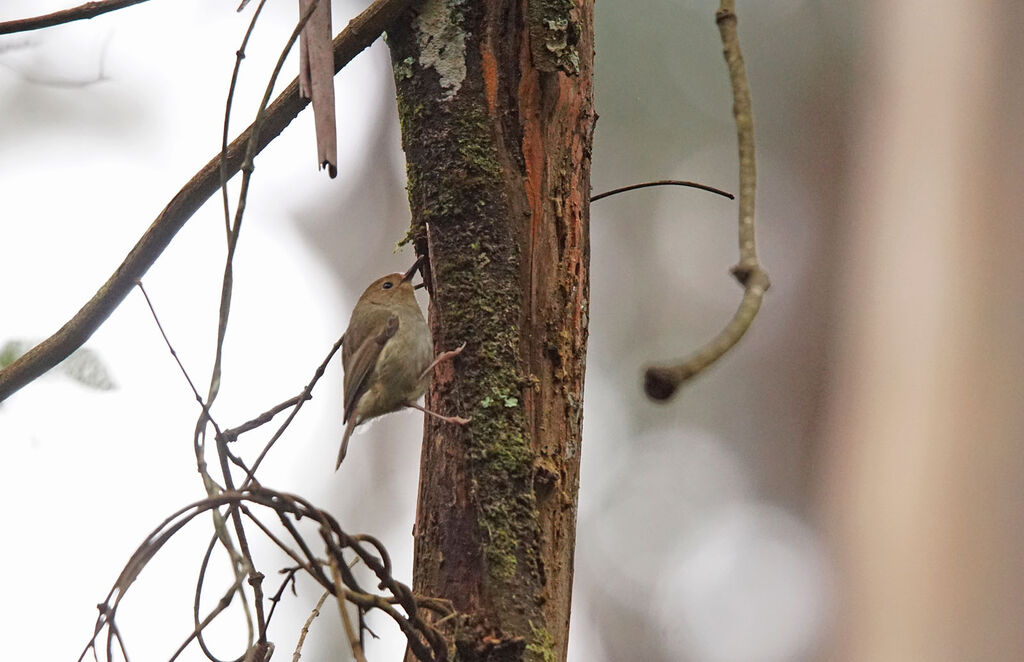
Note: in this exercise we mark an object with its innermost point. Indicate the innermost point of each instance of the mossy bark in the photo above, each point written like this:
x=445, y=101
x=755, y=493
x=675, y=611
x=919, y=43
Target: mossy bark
x=495, y=100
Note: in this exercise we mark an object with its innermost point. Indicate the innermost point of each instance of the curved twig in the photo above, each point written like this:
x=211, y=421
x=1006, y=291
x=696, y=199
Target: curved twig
x=661, y=382
x=222, y=604
x=379, y=546
x=661, y=182
x=200, y=625
x=360, y=33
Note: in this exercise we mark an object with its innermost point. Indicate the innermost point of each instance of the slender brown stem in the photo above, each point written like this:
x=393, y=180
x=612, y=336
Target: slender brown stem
x=346, y=620
x=174, y=354
x=661, y=182
x=222, y=604
x=87, y=10
x=239, y=56
x=309, y=621
x=661, y=382
x=232, y=434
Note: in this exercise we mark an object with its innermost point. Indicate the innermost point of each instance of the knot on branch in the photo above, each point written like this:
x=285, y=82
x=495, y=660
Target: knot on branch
x=751, y=275
x=723, y=15
x=661, y=383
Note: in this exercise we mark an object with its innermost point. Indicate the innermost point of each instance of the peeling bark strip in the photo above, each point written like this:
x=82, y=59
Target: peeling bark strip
x=495, y=100
x=316, y=80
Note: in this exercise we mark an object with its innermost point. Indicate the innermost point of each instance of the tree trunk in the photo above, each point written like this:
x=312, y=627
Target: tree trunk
x=495, y=100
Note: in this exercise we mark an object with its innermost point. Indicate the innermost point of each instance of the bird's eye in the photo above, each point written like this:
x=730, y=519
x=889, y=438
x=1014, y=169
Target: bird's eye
x=387, y=285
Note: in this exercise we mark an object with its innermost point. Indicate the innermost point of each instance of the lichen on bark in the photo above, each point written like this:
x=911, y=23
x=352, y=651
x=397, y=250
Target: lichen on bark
x=554, y=35
x=499, y=494
x=442, y=42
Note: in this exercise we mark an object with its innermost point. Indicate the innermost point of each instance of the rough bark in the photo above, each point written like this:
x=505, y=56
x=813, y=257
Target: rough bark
x=495, y=99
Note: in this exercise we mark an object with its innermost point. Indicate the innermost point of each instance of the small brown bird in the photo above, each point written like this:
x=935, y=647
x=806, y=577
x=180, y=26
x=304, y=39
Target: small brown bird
x=386, y=354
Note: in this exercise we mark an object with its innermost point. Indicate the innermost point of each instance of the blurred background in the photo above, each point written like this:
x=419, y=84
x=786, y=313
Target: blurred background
x=845, y=485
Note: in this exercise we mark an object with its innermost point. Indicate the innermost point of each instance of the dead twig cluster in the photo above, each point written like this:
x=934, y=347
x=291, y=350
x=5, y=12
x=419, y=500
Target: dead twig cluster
x=334, y=574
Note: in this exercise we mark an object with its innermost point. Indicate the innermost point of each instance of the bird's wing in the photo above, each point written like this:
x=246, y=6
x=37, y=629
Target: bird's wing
x=364, y=358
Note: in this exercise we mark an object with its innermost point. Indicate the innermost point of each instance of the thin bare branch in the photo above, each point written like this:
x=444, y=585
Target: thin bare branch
x=174, y=353
x=301, y=399
x=661, y=182
x=289, y=580
x=115, y=633
x=661, y=382
x=241, y=560
x=360, y=33
x=247, y=168
x=222, y=604
x=354, y=640
x=232, y=434
x=309, y=621
x=225, y=132
x=87, y=10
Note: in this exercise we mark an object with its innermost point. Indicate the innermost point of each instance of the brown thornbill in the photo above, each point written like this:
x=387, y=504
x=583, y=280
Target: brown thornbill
x=387, y=354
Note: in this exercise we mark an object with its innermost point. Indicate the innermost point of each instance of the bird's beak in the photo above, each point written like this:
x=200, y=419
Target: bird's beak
x=412, y=270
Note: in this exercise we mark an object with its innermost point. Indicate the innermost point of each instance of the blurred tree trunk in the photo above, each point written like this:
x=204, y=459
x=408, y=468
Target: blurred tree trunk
x=926, y=455
x=495, y=101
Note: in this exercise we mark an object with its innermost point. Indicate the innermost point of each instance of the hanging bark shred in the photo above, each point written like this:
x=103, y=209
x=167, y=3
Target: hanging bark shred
x=316, y=79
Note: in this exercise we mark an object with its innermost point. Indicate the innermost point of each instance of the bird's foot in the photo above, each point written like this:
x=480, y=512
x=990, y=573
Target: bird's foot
x=457, y=420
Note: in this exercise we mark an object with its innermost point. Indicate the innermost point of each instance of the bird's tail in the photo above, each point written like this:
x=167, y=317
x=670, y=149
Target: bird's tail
x=344, y=440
